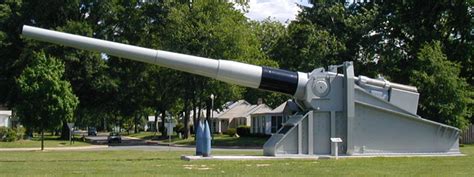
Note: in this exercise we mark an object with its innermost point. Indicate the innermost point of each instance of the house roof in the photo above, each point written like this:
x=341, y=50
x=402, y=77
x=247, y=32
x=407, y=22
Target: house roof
x=236, y=109
x=242, y=108
x=287, y=105
x=257, y=109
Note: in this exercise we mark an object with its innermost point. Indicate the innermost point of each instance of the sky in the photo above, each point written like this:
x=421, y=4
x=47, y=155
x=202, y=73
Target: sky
x=281, y=10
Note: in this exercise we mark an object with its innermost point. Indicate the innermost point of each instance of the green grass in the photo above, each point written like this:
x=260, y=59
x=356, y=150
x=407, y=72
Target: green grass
x=164, y=163
x=219, y=140
x=50, y=141
x=226, y=140
x=145, y=135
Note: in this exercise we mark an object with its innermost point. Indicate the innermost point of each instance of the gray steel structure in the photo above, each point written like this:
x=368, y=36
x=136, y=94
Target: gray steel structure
x=371, y=116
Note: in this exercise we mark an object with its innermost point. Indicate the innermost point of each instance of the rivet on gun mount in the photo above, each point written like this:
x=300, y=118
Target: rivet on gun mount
x=371, y=116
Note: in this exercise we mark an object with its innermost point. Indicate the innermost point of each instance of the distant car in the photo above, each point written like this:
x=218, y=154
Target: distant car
x=92, y=132
x=114, y=137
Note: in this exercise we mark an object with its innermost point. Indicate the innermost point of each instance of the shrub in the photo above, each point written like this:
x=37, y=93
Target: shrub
x=3, y=132
x=243, y=131
x=179, y=128
x=161, y=129
x=20, y=132
x=231, y=132
x=8, y=134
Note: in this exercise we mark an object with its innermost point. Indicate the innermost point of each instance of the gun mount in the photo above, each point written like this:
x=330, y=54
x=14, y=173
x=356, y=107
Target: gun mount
x=371, y=116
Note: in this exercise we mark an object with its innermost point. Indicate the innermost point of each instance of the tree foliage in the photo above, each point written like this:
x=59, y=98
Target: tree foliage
x=46, y=98
x=447, y=96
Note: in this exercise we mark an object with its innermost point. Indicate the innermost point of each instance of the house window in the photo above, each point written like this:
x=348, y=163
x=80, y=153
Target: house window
x=255, y=126
x=274, y=124
x=280, y=122
x=277, y=123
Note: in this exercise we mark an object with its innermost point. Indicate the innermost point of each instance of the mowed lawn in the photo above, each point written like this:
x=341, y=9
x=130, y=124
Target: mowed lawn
x=164, y=163
x=50, y=141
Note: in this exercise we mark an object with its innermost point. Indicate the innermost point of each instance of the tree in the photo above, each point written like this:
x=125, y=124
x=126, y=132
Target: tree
x=46, y=99
x=445, y=96
x=213, y=29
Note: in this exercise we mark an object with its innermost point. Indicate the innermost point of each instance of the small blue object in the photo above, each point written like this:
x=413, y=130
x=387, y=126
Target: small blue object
x=206, y=140
x=199, y=138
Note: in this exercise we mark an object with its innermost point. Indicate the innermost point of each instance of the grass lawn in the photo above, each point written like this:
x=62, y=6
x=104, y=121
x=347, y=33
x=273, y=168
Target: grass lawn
x=144, y=135
x=219, y=139
x=49, y=141
x=226, y=140
x=164, y=163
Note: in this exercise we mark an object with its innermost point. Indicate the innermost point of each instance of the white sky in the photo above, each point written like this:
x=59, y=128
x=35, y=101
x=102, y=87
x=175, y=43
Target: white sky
x=281, y=10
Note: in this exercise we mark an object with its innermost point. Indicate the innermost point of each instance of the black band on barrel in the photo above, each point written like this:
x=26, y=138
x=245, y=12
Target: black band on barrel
x=279, y=80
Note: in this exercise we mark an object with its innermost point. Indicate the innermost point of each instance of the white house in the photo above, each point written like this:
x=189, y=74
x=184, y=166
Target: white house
x=5, y=118
x=271, y=121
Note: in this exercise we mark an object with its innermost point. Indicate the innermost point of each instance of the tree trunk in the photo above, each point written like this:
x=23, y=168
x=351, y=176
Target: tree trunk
x=42, y=137
x=195, y=116
x=208, y=114
x=105, y=125
x=186, y=119
x=163, y=130
x=157, y=113
x=65, y=131
x=136, y=122
x=196, y=120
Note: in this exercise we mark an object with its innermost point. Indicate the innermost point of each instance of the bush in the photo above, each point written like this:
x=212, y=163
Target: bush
x=3, y=132
x=20, y=132
x=161, y=129
x=8, y=134
x=179, y=128
x=243, y=131
x=231, y=132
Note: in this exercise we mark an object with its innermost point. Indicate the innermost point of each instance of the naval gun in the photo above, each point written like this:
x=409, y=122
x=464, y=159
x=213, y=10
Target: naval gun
x=370, y=116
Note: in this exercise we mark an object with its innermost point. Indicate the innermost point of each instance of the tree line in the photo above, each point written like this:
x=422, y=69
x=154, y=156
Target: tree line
x=428, y=44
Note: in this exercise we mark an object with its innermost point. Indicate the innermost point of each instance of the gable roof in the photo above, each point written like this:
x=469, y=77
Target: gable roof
x=257, y=109
x=282, y=108
x=236, y=109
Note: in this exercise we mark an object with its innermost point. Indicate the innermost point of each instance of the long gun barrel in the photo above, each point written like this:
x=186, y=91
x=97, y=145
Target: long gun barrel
x=266, y=78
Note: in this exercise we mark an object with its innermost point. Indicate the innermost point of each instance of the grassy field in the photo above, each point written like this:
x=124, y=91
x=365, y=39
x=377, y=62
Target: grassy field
x=226, y=140
x=144, y=135
x=50, y=141
x=164, y=163
x=219, y=140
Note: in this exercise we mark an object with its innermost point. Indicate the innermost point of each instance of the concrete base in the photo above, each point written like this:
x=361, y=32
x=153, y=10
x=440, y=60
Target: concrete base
x=308, y=157
x=304, y=157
